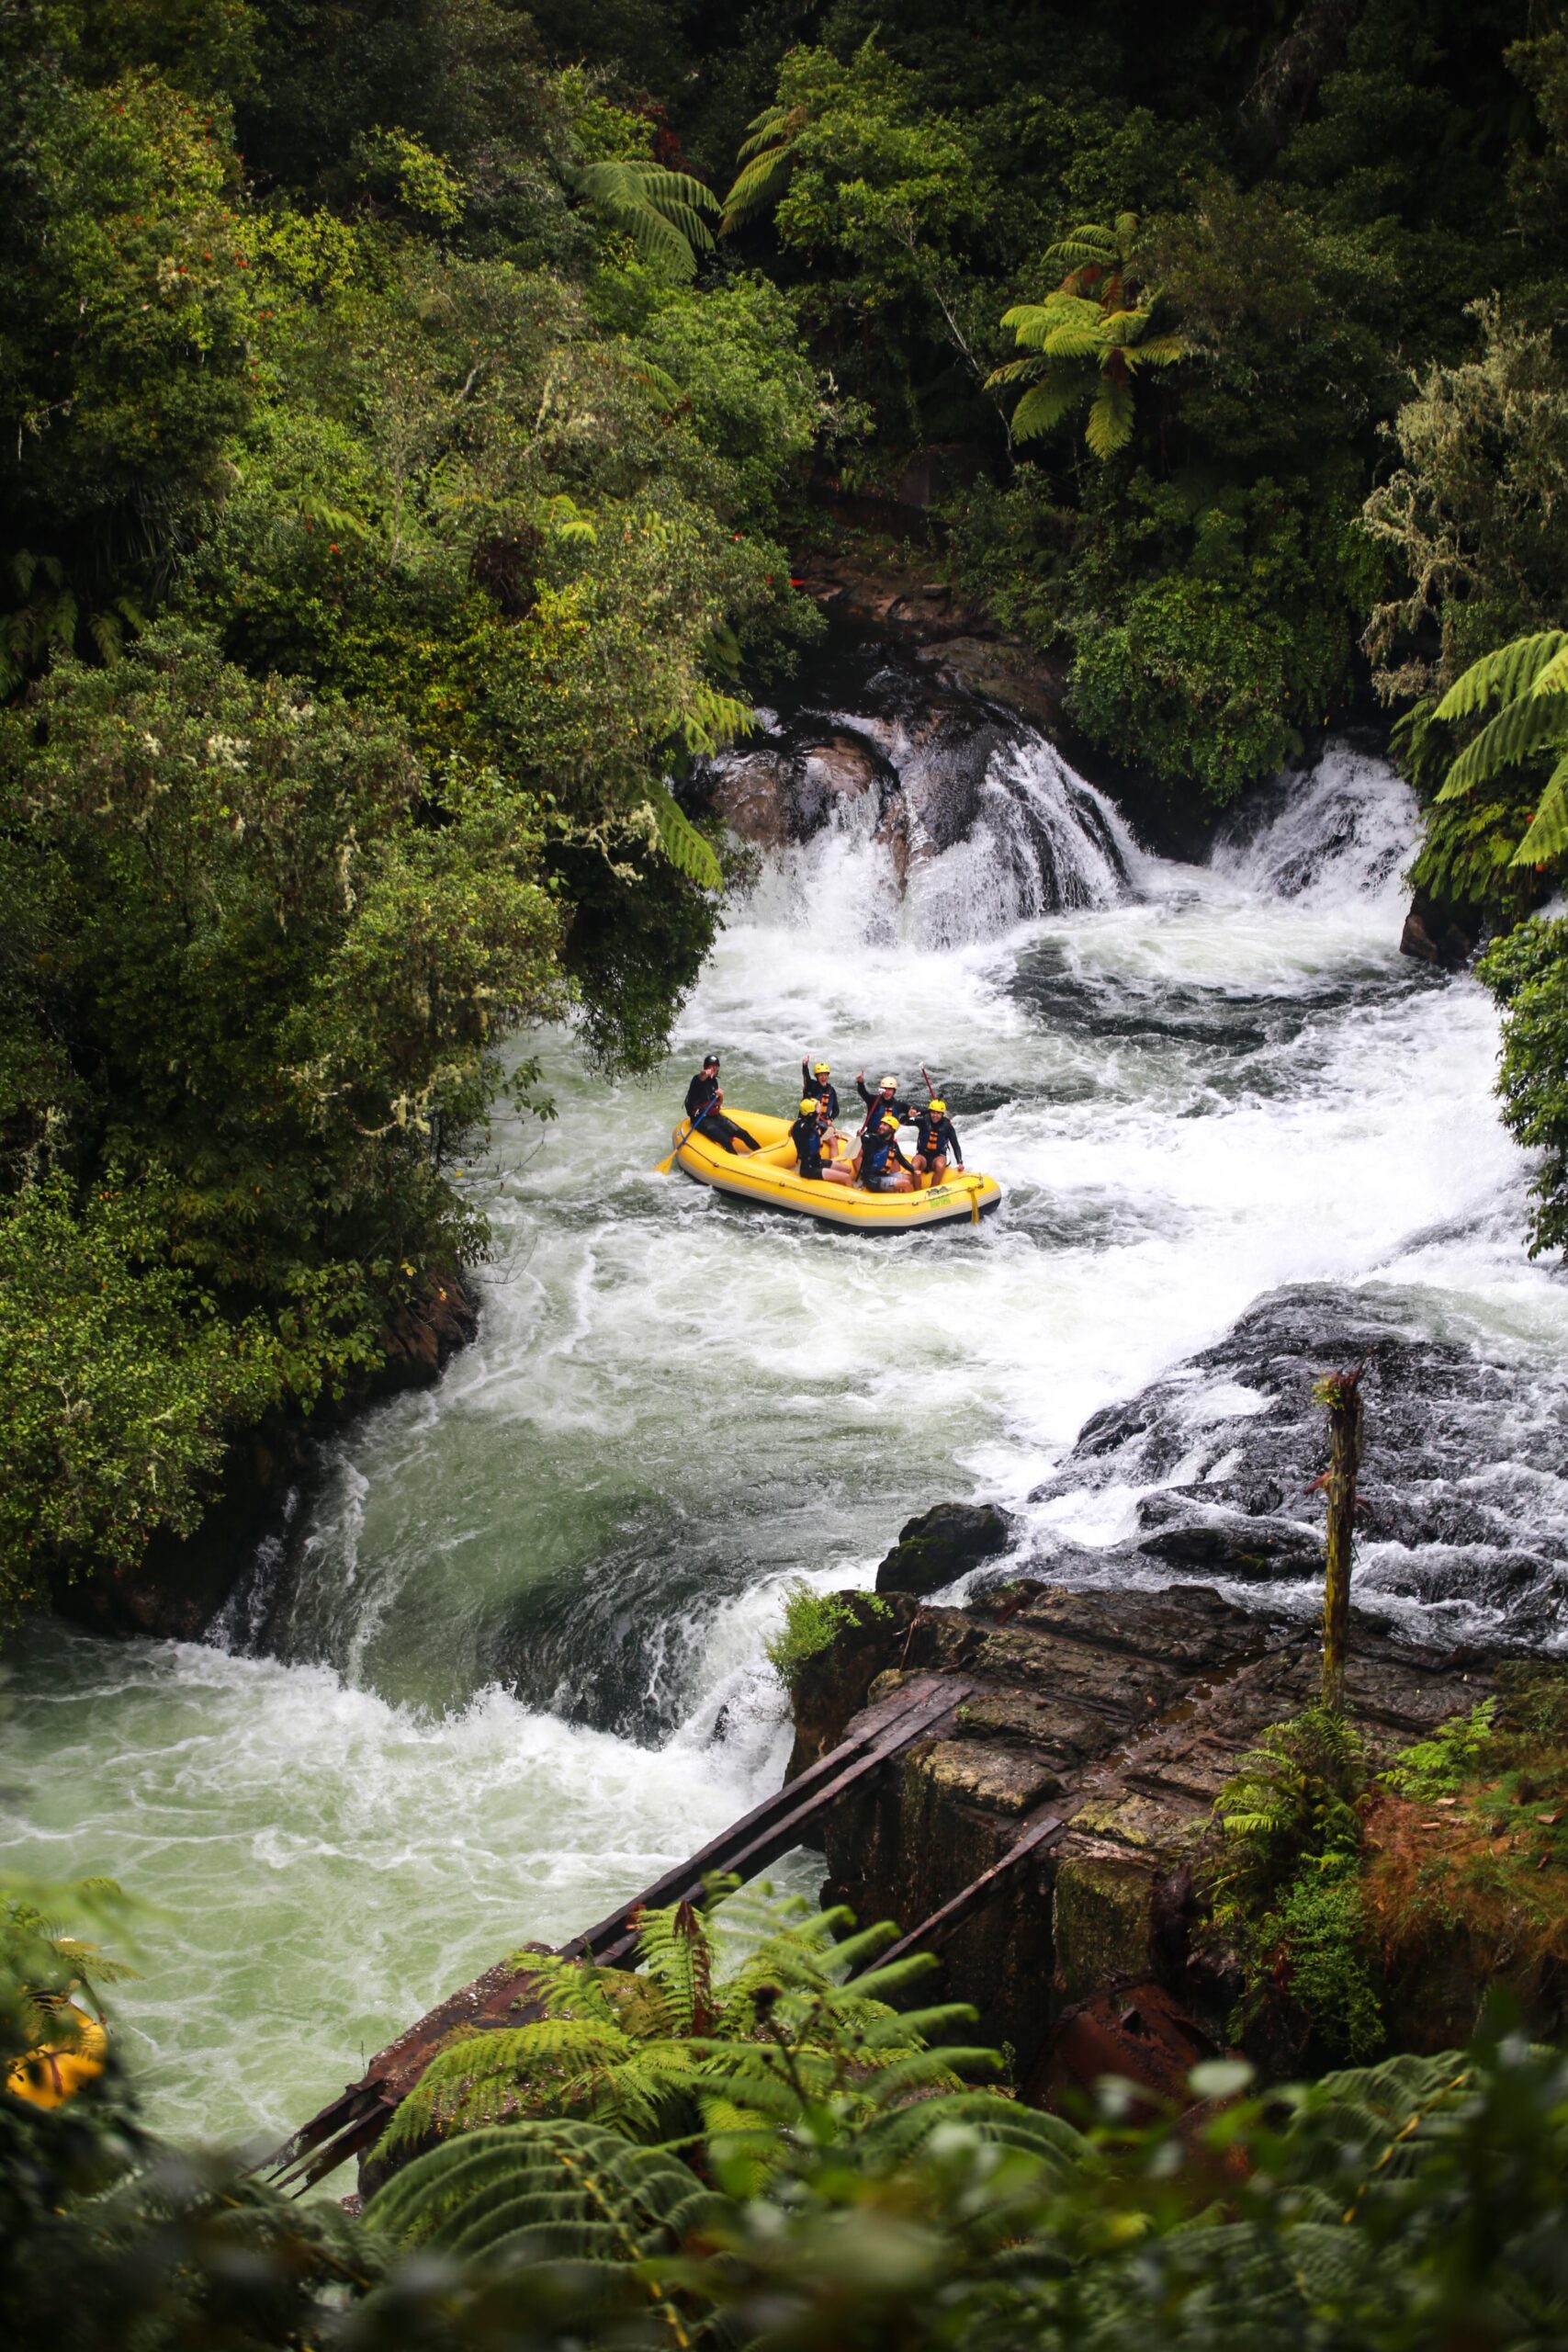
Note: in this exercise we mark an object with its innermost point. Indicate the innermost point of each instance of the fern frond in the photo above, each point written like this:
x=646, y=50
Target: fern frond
x=927, y=2070
x=578, y=2191
x=1054, y=2144
x=765, y=130
x=1109, y=424
x=1522, y=729
x=1014, y=371
x=686, y=849
x=665, y=214
x=488, y=2075
x=1045, y=405
x=1159, y=351
x=1084, y=247
x=1502, y=675
x=1548, y=836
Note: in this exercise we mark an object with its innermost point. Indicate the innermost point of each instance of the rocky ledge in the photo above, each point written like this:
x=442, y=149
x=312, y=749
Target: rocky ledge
x=1091, y=1732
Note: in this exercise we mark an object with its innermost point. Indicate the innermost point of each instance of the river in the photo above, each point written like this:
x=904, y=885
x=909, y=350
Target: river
x=512, y=1663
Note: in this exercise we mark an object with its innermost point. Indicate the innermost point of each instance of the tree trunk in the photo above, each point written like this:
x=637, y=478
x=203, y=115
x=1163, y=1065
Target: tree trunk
x=1341, y=1392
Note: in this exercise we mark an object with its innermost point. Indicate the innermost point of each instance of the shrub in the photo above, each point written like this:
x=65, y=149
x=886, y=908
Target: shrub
x=811, y=1621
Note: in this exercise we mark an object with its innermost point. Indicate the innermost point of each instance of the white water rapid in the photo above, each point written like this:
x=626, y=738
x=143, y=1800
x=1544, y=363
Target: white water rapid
x=513, y=1663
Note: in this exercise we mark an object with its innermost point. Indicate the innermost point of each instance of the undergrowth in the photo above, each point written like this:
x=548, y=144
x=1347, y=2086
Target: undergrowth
x=811, y=1620
x=1284, y=1881
x=1337, y=1890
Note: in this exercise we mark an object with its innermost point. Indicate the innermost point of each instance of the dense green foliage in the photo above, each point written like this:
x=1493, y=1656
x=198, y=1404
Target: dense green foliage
x=385, y=511
x=1283, y=1883
x=1416, y=2203
x=1528, y=973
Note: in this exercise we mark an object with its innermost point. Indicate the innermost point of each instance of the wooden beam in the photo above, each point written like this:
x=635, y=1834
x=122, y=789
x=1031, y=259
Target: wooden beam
x=977, y=1894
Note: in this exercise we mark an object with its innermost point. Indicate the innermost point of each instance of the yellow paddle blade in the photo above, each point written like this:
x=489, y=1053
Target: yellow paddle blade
x=665, y=1165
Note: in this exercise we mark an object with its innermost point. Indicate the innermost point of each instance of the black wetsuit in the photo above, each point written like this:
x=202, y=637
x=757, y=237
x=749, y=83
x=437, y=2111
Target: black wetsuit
x=708, y=1119
x=936, y=1138
x=827, y=1094
x=806, y=1138
x=878, y=1154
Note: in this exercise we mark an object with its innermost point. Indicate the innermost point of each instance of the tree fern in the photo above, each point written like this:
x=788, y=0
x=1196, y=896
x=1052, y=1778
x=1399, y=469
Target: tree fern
x=546, y=2191
x=1088, y=340
x=677, y=2048
x=667, y=215
x=1502, y=675
x=1524, y=685
x=766, y=158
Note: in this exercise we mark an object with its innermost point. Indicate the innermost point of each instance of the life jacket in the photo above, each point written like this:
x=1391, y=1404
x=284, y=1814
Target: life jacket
x=935, y=1136
x=878, y=1151
x=701, y=1095
x=806, y=1138
x=827, y=1094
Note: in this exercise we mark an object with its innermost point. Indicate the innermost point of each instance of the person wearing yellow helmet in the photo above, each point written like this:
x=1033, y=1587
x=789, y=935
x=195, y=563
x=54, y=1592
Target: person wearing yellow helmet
x=881, y=1166
x=936, y=1141
x=817, y=1078
x=810, y=1135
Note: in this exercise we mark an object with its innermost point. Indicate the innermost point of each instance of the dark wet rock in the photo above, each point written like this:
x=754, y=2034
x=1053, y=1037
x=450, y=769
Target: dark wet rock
x=1464, y=1487
x=786, y=789
x=930, y=757
x=1255, y=1550
x=1002, y=670
x=942, y=1545
x=1440, y=933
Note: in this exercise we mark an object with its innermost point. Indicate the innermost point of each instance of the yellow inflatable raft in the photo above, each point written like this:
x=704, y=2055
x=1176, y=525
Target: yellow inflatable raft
x=54, y=2071
x=772, y=1176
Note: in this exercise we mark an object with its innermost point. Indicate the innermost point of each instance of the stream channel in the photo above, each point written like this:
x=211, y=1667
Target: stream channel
x=510, y=1662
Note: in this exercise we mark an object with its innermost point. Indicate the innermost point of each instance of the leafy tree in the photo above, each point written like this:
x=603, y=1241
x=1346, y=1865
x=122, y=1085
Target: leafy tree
x=120, y=1383
x=1473, y=517
x=1089, y=339
x=1528, y=973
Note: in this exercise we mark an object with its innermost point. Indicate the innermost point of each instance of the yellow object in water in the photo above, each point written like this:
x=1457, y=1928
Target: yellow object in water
x=773, y=1177
x=55, y=2072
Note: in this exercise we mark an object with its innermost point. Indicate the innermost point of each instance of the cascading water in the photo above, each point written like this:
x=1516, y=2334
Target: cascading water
x=512, y=1661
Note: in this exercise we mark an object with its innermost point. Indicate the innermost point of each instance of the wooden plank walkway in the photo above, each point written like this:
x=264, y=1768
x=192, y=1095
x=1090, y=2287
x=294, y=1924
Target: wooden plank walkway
x=354, y=2122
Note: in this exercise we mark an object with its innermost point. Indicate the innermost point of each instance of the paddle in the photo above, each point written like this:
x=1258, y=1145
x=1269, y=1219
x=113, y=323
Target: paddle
x=681, y=1141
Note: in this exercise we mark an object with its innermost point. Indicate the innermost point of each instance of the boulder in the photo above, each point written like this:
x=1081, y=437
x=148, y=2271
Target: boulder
x=1257, y=1551
x=942, y=1544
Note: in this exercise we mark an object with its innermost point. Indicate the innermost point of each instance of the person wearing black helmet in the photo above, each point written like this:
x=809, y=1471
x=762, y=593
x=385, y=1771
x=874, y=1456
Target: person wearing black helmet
x=810, y=1135
x=936, y=1141
x=704, y=1097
